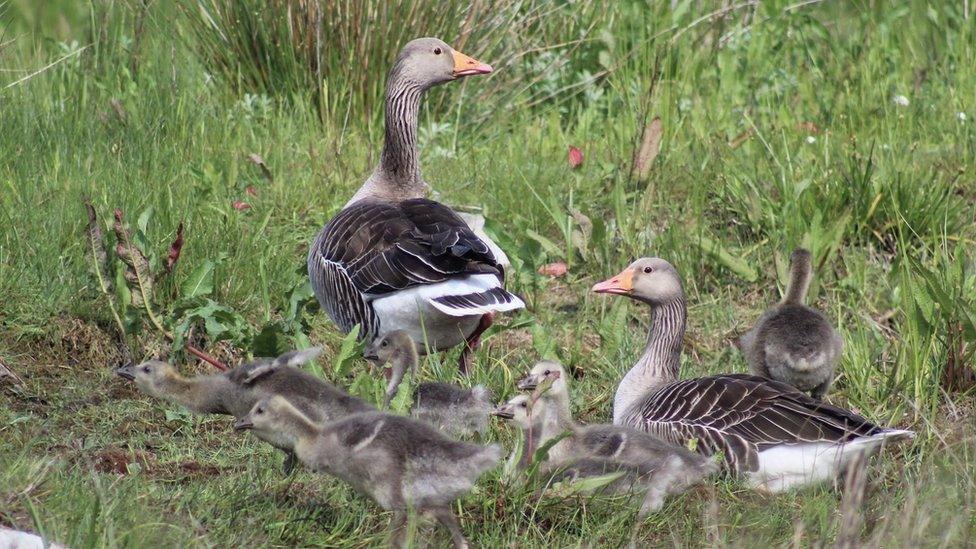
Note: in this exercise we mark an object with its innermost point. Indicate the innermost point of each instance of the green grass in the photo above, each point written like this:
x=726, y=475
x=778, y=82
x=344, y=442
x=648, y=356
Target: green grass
x=883, y=194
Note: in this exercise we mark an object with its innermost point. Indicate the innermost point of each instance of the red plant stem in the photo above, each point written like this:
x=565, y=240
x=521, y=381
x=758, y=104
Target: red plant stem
x=206, y=358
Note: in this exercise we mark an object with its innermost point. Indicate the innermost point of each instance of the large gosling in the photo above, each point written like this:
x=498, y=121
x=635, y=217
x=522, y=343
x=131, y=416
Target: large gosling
x=399, y=462
x=645, y=464
x=456, y=411
x=235, y=392
x=793, y=343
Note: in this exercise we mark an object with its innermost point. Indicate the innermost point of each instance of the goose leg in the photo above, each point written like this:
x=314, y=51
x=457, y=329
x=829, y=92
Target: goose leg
x=467, y=354
x=398, y=528
x=819, y=391
x=446, y=517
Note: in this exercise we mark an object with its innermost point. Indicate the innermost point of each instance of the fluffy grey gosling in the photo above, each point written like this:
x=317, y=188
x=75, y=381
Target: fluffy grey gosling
x=456, y=411
x=397, y=461
x=794, y=343
x=235, y=392
x=647, y=465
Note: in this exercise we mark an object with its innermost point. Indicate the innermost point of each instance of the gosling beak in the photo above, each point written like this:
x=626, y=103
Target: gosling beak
x=622, y=284
x=126, y=372
x=502, y=412
x=528, y=383
x=466, y=66
x=369, y=353
x=243, y=424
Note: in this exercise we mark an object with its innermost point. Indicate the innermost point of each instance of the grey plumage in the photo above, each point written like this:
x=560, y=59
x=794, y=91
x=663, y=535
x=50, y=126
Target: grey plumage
x=452, y=409
x=375, y=263
x=764, y=429
x=398, y=462
x=645, y=463
x=794, y=343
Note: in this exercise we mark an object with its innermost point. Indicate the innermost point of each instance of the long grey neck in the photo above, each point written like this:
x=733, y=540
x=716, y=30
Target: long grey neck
x=397, y=177
x=302, y=432
x=205, y=394
x=801, y=273
x=559, y=407
x=660, y=362
x=400, y=161
x=407, y=360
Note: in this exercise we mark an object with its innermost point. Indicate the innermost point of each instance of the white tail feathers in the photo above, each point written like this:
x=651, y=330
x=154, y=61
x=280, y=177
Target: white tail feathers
x=495, y=300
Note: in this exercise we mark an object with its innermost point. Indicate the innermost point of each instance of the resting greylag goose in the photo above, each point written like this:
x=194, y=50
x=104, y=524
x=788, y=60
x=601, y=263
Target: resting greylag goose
x=393, y=260
x=794, y=343
x=768, y=432
x=646, y=463
x=452, y=409
x=399, y=462
x=236, y=391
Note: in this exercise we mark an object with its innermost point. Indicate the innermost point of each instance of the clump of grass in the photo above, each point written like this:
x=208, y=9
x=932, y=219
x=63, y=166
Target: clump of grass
x=338, y=51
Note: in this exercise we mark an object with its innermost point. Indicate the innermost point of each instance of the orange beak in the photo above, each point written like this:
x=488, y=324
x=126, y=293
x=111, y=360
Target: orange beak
x=622, y=284
x=465, y=66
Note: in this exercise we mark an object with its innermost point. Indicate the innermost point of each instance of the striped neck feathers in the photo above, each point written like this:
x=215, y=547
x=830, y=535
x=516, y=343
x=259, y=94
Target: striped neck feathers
x=397, y=177
x=660, y=362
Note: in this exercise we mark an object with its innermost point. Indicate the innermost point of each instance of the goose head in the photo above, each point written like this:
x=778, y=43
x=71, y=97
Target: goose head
x=649, y=279
x=427, y=62
x=545, y=371
x=150, y=377
x=269, y=416
x=396, y=345
x=520, y=410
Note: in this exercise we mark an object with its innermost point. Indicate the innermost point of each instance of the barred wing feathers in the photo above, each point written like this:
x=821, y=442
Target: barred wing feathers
x=742, y=415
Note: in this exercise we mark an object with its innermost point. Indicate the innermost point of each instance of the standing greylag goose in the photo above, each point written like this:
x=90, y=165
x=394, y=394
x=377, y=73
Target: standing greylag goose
x=794, y=343
x=393, y=260
x=768, y=432
x=452, y=409
x=236, y=391
x=399, y=462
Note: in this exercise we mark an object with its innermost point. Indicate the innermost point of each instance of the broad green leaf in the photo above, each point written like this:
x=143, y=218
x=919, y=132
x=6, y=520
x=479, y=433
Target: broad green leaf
x=735, y=264
x=347, y=352
x=548, y=245
x=584, y=485
x=200, y=282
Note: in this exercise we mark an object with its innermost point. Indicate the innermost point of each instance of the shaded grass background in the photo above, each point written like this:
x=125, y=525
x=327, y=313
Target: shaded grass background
x=780, y=129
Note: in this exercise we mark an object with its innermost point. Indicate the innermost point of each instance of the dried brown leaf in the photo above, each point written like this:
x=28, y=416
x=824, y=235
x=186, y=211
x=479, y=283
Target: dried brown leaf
x=96, y=242
x=554, y=270
x=118, y=108
x=175, y=249
x=741, y=138
x=136, y=265
x=259, y=162
x=649, y=149
x=581, y=234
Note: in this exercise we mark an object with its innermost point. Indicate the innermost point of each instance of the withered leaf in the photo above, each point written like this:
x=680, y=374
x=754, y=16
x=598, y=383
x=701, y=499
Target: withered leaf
x=175, y=249
x=96, y=242
x=738, y=140
x=649, y=149
x=137, y=273
x=259, y=162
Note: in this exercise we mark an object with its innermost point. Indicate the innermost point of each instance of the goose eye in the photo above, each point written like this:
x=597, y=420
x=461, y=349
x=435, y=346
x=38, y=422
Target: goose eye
x=259, y=411
x=437, y=51
x=524, y=405
x=146, y=369
x=648, y=270
x=547, y=372
x=385, y=343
